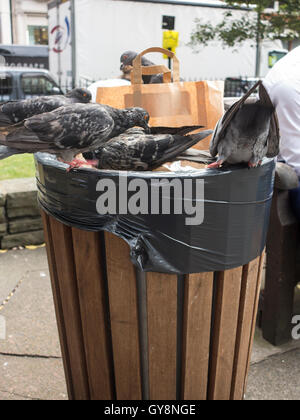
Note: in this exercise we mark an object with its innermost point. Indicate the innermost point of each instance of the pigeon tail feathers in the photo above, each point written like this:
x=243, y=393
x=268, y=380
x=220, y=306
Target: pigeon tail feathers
x=6, y=152
x=10, y=128
x=5, y=120
x=253, y=116
x=20, y=139
x=181, y=144
x=201, y=136
x=182, y=131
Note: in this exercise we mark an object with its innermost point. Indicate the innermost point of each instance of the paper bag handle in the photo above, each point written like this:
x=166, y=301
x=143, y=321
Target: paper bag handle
x=139, y=70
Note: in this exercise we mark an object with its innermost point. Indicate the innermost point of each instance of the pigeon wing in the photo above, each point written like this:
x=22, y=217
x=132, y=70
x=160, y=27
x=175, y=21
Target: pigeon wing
x=77, y=127
x=144, y=152
x=214, y=143
x=274, y=133
x=178, y=146
x=21, y=138
x=194, y=155
x=223, y=123
x=17, y=111
x=129, y=151
x=274, y=137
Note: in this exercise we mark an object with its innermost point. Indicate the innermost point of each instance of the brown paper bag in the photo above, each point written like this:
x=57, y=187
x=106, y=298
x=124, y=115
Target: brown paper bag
x=172, y=103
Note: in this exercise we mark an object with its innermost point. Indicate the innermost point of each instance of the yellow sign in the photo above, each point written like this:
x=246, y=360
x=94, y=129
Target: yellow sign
x=170, y=41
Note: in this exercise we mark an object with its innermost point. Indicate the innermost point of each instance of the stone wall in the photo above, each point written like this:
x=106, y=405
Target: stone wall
x=20, y=220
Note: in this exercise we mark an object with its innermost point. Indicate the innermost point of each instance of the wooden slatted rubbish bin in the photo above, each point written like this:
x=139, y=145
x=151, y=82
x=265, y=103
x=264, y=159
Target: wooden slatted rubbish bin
x=149, y=307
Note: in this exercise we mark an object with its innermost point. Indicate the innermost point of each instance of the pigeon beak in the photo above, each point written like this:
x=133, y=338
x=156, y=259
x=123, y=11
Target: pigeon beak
x=121, y=66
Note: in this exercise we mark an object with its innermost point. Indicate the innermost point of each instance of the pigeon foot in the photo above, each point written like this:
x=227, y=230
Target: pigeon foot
x=254, y=165
x=81, y=163
x=216, y=164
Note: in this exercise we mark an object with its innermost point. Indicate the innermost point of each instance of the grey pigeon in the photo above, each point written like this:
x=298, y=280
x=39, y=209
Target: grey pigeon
x=247, y=132
x=136, y=150
x=127, y=59
x=17, y=111
x=70, y=130
x=180, y=131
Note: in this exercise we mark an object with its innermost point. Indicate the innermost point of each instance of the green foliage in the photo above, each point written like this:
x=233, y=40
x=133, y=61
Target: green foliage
x=255, y=24
x=19, y=166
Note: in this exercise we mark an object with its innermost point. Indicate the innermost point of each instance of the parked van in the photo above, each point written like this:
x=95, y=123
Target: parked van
x=25, y=82
x=25, y=55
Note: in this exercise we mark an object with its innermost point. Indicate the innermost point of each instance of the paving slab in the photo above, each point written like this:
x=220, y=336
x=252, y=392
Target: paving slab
x=10, y=186
x=2, y=215
x=3, y=229
x=20, y=239
x=23, y=211
x=276, y=378
x=31, y=378
x=7, y=396
x=25, y=224
x=2, y=197
x=31, y=327
x=13, y=265
x=262, y=349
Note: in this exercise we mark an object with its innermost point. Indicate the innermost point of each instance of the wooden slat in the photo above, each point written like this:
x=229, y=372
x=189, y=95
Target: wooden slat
x=255, y=307
x=124, y=318
x=81, y=308
x=224, y=333
x=162, y=335
x=247, y=302
x=196, y=335
x=94, y=312
x=63, y=251
x=58, y=304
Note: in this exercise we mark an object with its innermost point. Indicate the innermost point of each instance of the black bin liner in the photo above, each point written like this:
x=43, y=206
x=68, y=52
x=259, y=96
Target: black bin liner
x=237, y=203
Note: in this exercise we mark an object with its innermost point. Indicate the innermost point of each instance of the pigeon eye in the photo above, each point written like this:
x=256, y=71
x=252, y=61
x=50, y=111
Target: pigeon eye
x=84, y=94
x=125, y=57
x=145, y=117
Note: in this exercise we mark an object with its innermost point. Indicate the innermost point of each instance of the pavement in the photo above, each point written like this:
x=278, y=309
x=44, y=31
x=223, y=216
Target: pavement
x=31, y=366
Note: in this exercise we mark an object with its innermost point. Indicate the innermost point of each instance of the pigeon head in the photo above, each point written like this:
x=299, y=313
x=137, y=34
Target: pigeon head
x=138, y=117
x=142, y=118
x=127, y=58
x=82, y=95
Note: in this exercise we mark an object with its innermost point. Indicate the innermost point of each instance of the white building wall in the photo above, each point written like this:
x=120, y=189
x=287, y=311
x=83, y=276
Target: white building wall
x=25, y=13
x=107, y=28
x=5, y=22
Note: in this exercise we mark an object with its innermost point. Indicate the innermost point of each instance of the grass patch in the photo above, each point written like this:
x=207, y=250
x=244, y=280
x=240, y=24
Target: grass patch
x=19, y=166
